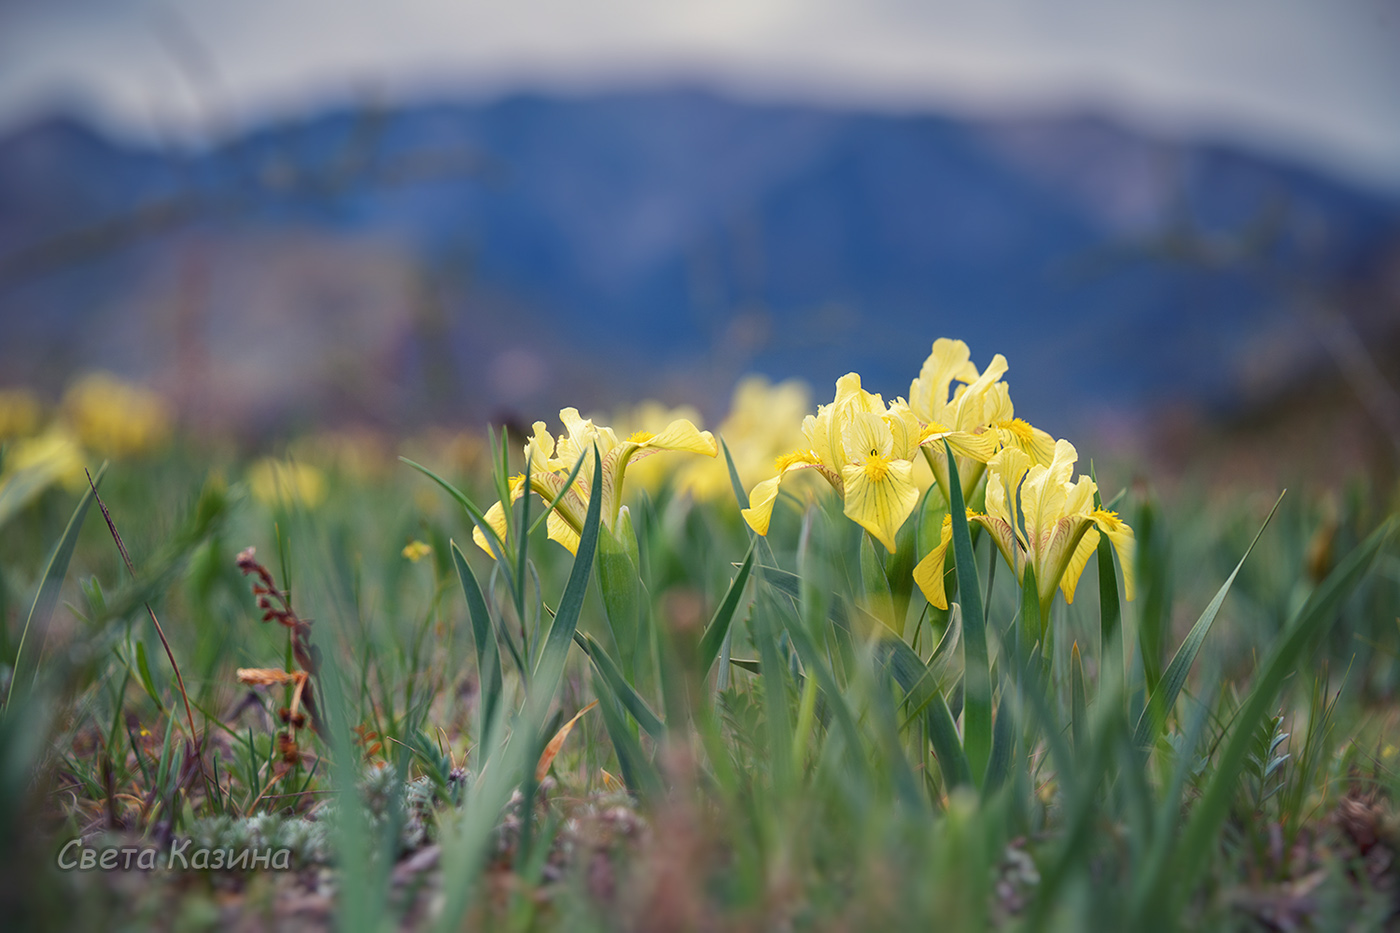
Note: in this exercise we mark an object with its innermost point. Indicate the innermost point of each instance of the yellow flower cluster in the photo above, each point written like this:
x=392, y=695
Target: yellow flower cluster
x=286, y=482
x=20, y=412
x=764, y=420
x=866, y=450
x=552, y=461
x=115, y=418
x=100, y=413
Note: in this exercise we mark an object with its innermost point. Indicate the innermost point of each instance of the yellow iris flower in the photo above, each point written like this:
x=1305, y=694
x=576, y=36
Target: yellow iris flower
x=980, y=405
x=865, y=449
x=1057, y=531
x=551, y=463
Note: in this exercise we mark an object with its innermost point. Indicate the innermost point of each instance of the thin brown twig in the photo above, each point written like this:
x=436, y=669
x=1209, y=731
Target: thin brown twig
x=195, y=738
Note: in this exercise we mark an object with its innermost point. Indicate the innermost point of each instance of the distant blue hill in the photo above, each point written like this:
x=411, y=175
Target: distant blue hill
x=665, y=242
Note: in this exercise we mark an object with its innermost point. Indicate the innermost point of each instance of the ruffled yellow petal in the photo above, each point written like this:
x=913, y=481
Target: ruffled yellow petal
x=1077, y=562
x=560, y=530
x=762, y=496
x=1037, y=444
x=496, y=518
x=761, y=499
x=1124, y=542
x=1044, y=494
x=682, y=435
x=929, y=572
x=948, y=361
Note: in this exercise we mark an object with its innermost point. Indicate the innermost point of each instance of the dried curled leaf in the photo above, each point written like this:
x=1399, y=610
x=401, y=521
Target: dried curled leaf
x=552, y=749
x=268, y=676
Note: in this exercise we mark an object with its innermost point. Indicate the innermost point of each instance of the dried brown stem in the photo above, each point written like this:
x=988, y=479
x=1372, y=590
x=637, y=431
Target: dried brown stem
x=165, y=643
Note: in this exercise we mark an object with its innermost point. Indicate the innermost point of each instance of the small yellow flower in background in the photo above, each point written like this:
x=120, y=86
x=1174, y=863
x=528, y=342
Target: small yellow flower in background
x=54, y=456
x=865, y=449
x=115, y=418
x=551, y=462
x=286, y=482
x=1058, y=532
x=417, y=550
x=359, y=453
x=764, y=422
x=20, y=412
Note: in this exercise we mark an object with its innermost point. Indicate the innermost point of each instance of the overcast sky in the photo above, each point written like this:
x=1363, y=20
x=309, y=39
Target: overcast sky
x=1314, y=80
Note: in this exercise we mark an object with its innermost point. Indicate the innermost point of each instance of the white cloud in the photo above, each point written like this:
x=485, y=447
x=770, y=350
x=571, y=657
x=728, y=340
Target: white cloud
x=1316, y=80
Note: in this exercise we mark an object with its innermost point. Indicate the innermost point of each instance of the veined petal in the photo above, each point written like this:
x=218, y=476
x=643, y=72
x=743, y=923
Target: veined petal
x=929, y=572
x=864, y=436
x=1005, y=539
x=1004, y=474
x=880, y=494
x=1044, y=493
x=1054, y=552
x=980, y=446
x=905, y=428
x=1124, y=542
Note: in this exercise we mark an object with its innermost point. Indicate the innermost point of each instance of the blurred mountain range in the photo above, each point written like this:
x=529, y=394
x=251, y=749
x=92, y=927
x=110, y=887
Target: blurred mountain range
x=465, y=260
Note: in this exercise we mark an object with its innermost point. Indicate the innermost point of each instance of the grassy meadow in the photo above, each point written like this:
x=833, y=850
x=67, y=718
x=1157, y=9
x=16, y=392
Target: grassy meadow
x=547, y=681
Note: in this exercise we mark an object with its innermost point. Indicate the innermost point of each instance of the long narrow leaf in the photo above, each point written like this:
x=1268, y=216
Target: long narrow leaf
x=46, y=598
x=550, y=667
x=1164, y=697
x=488, y=653
x=612, y=678
x=718, y=628
x=977, y=678
x=921, y=688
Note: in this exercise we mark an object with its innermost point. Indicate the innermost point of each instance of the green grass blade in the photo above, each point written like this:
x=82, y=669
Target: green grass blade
x=46, y=599
x=774, y=680
x=617, y=684
x=1164, y=697
x=488, y=653
x=1003, y=742
x=143, y=670
x=550, y=667
x=620, y=584
x=1078, y=702
x=493, y=540
x=1110, y=610
x=977, y=678
x=715, y=632
x=638, y=773
x=879, y=601
x=22, y=487
x=921, y=690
